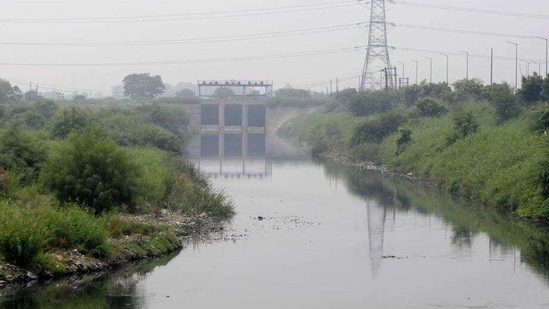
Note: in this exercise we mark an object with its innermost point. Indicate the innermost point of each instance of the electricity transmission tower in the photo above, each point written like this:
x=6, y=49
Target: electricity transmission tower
x=377, y=64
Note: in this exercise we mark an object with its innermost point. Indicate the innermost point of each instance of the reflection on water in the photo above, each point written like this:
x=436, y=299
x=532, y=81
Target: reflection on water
x=103, y=290
x=508, y=237
x=234, y=155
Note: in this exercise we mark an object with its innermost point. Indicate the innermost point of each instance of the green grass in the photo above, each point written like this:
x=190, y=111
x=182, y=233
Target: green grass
x=32, y=228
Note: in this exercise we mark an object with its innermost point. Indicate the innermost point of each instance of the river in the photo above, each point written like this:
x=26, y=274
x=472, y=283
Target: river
x=310, y=235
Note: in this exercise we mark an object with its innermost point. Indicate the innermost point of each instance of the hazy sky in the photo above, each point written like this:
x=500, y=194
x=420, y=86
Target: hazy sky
x=18, y=24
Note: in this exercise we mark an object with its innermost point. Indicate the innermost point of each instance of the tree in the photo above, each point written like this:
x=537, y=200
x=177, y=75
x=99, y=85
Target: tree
x=288, y=91
x=143, y=86
x=9, y=93
x=223, y=93
x=185, y=93
x=468, y=89
x=531, y=88
x=345, y=96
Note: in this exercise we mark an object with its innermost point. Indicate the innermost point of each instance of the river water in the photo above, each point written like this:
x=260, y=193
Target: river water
x=309, y=235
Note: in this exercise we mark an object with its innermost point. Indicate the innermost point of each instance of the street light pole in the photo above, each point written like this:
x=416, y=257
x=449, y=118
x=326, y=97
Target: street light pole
x=546, y=54
x=431, y=70
x=466, y=63
x=527, y=65
x=516, y=64
x=447, y=68
x=417, y=68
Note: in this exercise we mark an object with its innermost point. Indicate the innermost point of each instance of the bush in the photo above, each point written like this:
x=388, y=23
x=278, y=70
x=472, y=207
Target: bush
x=369, y=103
x=23, y=154
x=68, y=120
x=538, y=119
x=403, y=140
x=129, y=129
x=465, y=124
x=91, y=170
x=504, y=101
x=374, y=131
x=429, y=107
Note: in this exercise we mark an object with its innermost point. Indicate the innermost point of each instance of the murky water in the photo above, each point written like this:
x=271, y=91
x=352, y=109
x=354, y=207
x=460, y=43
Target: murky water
x=333, y=238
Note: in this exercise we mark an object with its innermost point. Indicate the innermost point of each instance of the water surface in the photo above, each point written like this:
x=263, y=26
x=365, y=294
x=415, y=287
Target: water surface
x=341, y=238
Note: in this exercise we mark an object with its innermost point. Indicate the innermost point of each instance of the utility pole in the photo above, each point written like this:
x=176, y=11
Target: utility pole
x=546, y=54
x=401, y=63
x=431, y=70
x=377, y=54
x=466, y=63
x=447, y=68
x=516, y=64
x=417, y=68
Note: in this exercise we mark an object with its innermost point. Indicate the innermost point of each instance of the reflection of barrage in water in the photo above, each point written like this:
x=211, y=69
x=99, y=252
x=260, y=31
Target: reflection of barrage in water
x=235, y=167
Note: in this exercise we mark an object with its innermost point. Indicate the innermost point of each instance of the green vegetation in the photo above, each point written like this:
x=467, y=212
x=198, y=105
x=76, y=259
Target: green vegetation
x=292, y=97
x=83, y=177
x=481, y=142
x=143, y=86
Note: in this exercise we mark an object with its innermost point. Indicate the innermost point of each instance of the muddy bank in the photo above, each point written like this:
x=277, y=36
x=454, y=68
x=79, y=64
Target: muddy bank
x=166, y=233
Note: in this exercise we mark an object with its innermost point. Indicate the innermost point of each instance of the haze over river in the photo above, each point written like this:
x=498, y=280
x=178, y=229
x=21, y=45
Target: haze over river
x=332, y=237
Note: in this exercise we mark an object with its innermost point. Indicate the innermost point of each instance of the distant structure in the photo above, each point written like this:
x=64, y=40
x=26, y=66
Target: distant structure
x=242, y=88
x=378, y=72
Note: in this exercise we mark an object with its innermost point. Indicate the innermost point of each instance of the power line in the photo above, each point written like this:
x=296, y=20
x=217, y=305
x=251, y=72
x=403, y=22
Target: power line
x=192, y=40
x=196, y=61
x=183, y=17
x=46, y=86
x=472, y=10
x=461, y=31
x=438, y=52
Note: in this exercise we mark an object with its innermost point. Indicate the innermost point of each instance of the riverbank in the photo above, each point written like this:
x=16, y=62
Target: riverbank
x=90, y=189
x=151, y=236
x=463, y=148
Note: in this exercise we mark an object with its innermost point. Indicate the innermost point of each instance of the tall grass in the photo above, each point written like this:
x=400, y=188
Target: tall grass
x=190, y=192
x=29, y=229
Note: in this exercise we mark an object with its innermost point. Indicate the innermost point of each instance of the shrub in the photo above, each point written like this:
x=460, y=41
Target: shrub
x=465, y=124
x=504, y=101
x=403, y=140
x=91, y=170
x=429, y=107
x=22, y=153
x=68, y=120
x=539, y=119
x=369, y=103
x=375, y=130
